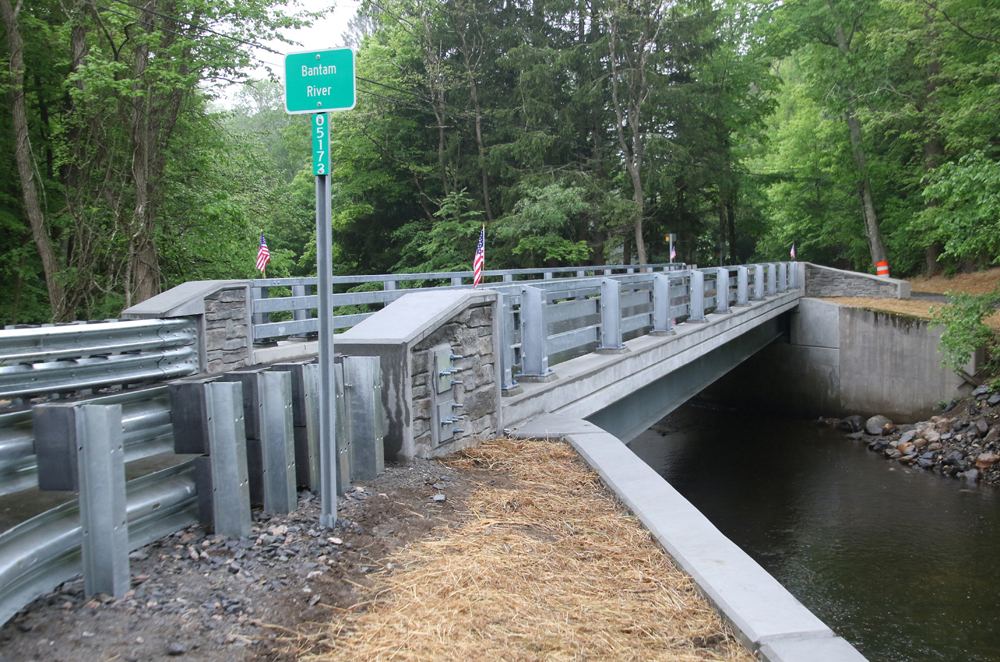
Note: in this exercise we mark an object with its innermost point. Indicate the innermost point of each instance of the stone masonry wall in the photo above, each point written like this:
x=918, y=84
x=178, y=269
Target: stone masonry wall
x=470, y=335
x=226, y=342
x=827, y=282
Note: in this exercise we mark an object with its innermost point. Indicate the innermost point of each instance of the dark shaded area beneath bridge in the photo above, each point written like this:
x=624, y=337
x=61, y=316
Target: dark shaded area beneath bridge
x=630, y=416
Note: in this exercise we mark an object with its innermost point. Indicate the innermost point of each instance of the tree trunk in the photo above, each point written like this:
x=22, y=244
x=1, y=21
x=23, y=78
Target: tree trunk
x=872, y=231
x=26, y=166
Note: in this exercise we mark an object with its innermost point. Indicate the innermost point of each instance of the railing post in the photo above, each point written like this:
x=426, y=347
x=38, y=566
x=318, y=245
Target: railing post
x=782, y=277
x=388, y=285
x=508, y=278
x=722, y=290
x=793, y=275
x=771, y=280
x=742, y=289
x=255, y=294
x=696, y=292
x=508, y=386
x=363, y=394
x=534, y=338
x=661, y=305
x=611, y=316
x=103, y=519
x=548, y=275
x=300, y=314
x=758, y=282
x=456, y=281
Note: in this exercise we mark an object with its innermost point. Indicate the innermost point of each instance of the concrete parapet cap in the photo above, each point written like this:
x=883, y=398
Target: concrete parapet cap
x=185, y=299
x=412, y=317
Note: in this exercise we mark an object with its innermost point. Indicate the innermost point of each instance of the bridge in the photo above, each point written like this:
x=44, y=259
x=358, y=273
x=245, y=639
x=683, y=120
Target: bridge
x=218, y=379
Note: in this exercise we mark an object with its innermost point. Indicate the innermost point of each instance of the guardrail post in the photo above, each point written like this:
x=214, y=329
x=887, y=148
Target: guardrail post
x=534, y=336
x=456, y=281
x=758, y=282
x=722, y=290
x=661, y=306
x=388, y=285
x=270, y=438
x=696, y=309
x=611, y=316
x=508, y=278
x=742, y=289
x=771, y=280
x=782, y=277
x=208, y=420
x=103, y=519
x=305, y=423
x=278, y=442
x=345, y=445
x=363, y=393
x=793, y=275
x=548, y=275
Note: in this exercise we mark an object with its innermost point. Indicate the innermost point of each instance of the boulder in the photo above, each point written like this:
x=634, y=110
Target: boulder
x=986, y=460
x=851, y=424
x=982, y=427
x=875, y=424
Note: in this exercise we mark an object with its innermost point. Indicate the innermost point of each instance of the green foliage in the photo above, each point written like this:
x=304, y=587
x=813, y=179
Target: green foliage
x=965, y=331
x=967, y=209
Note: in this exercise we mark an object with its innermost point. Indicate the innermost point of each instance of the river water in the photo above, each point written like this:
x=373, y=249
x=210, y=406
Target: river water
x=898, y=561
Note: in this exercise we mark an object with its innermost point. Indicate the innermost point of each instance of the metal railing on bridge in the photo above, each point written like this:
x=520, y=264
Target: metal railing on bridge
x=298, y=300
x=548, y=315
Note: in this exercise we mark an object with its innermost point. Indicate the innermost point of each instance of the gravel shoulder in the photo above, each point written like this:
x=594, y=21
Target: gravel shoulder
x=196, y=596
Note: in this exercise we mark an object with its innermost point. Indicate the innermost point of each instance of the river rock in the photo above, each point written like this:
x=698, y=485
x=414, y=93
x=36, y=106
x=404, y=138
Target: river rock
x=994, y=400
x=851, y=423
x=909, y=435
x=878, y=445
x=875, y=424
x=905, y=448
x=953, y=457
x=992, y=435
x=943, y=424
x=982, y=427
x=981, y=390
x=920, y=443
x=986, y=460
x=925, y=462
x=893, y=454
x=936, y=446
x=972, y=475
x=932, y=436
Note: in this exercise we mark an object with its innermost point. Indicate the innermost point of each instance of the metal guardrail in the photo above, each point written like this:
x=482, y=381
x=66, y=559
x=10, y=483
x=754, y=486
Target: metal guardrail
x=45, y=551
x=75, y=358
x=302, y=303
x=145, y=424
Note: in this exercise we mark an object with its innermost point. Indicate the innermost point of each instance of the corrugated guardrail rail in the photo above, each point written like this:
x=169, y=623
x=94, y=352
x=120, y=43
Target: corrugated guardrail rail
x=77, y=357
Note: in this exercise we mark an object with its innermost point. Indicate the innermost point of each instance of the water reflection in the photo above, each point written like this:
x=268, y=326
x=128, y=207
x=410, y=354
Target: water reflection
x=896, y=560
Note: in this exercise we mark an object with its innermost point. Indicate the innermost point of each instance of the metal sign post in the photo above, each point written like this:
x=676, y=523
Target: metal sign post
x=317, y=82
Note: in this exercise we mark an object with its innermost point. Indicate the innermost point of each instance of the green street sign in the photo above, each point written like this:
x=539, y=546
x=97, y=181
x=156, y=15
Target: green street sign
x=319, y=81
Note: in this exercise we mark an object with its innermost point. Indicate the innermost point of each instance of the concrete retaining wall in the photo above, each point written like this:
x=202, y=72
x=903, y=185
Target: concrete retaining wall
x=840, y=360
x=829, y=282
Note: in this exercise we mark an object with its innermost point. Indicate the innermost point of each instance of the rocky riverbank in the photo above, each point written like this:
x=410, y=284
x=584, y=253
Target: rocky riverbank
x=963, y=442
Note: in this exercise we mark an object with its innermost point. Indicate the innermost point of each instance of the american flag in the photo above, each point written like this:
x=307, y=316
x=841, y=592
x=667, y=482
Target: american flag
x=263, y=256
x=673, y=252
x=480, y=259
x=793, y=251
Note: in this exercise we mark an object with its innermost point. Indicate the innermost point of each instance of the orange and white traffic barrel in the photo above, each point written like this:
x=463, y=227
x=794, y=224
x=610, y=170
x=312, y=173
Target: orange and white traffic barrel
x=882, y=269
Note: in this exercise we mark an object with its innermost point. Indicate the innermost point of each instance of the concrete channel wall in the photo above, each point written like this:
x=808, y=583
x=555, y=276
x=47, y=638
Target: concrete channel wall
x=840, y=360
x=768, y=619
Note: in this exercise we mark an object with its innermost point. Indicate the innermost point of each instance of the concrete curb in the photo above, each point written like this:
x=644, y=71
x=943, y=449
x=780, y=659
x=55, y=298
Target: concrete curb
x=764, y=615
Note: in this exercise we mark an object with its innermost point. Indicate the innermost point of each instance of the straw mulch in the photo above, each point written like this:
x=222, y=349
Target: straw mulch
x=975, y=283
x=912, y=307
x=549, y=567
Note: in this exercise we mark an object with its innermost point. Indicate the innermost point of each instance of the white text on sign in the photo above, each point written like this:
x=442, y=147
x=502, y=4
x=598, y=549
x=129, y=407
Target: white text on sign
x=317, y=91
